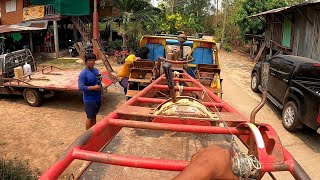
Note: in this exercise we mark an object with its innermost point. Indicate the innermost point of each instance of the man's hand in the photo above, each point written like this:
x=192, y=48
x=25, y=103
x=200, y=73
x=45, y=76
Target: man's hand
x=97, y=87
x=94, y=88
x=210, y=163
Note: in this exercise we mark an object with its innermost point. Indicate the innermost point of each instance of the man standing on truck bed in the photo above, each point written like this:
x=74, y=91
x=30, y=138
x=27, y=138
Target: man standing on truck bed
x=90, y=84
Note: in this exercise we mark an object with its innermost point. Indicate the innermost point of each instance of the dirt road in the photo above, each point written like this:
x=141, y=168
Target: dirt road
x=39, y=135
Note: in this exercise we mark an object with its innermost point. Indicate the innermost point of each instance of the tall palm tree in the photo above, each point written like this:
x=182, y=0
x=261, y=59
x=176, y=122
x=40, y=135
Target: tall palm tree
x=131, y=10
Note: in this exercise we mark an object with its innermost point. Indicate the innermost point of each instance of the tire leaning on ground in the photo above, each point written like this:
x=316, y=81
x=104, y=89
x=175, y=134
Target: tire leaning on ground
x=254, y=82
x=290, y=117
x=32, y=97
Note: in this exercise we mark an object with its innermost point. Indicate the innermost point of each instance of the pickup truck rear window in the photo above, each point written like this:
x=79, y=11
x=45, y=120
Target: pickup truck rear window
x=310, y=71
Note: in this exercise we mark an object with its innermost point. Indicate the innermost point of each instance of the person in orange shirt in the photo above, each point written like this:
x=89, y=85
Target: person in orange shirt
x=143, y=53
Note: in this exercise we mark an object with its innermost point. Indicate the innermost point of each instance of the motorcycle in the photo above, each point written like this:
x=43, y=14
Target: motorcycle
x=72, y=49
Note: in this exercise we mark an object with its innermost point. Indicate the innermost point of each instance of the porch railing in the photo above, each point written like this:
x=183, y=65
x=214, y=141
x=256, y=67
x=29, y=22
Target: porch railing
x=49, y=10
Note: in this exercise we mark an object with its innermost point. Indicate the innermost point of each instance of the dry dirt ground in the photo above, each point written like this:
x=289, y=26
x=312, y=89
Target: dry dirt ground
x=39, y=135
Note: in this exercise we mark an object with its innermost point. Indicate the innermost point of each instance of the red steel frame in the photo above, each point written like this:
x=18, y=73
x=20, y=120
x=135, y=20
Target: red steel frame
x=261, y=139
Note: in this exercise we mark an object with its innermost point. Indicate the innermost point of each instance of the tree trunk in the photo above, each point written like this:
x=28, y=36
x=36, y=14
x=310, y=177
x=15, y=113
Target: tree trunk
x=224, y=25
x=124, y=42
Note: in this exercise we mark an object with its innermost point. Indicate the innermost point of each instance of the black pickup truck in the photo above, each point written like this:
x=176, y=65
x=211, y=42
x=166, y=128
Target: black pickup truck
x=294, y=87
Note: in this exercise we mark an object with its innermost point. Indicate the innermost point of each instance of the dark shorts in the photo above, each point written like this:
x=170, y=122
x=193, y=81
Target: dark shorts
x=124, y=83
x=92, y=109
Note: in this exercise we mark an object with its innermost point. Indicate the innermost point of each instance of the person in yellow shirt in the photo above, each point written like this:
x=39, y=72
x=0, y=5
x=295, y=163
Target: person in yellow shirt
x=143, y=53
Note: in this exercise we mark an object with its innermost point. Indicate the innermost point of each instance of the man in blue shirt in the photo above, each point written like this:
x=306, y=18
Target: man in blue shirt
x=90, y=84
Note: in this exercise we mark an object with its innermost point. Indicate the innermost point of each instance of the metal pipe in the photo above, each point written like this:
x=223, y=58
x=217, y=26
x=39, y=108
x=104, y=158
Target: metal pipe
x=129, y=161
x=298, y=172
x=142, y=93
x=168, y=72
x=265, y=66
x=294, y=167
x=177, y=127
x=214, y=97
x=257, y=109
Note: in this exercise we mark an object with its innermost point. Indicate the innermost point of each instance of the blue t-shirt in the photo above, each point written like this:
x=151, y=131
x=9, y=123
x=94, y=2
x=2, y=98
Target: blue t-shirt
x=89, y=78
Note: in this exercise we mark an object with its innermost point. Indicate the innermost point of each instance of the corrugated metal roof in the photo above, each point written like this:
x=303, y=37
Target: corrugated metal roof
x=27, y=26
x=273, y=11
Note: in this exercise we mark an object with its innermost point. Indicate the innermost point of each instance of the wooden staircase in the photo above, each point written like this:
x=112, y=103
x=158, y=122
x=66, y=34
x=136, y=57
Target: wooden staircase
x=84, y=26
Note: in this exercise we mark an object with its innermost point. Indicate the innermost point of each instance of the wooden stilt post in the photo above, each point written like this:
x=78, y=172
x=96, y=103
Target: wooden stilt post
x=56, y=38
x=75, y=33
x=31, y=42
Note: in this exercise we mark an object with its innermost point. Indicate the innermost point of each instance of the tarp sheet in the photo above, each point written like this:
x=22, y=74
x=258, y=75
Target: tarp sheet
x=67, y=7
x=27, y=26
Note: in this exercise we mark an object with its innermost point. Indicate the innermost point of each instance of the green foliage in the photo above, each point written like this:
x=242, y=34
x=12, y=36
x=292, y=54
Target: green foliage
x=102, y=26
x=171, y=23
x=227, y=47
x=136, y=15
x=15, y=170
x=250, y=7
x=114, y=45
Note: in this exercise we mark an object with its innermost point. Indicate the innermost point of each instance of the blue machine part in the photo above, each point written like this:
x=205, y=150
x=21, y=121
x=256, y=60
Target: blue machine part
x=176, y=42
x=156, y=50
x=202, y=56
x=191, y=71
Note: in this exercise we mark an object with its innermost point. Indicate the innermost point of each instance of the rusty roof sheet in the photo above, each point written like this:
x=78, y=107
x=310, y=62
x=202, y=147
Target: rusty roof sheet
x=273, y=11
x=27, y=26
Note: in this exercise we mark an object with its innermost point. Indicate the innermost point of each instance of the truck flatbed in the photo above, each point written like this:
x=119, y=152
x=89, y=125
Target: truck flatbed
x=56, y=79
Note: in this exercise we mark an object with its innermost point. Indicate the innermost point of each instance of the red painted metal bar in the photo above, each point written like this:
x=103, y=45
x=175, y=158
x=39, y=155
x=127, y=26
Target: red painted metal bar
x=129, y=161
x=177, y=127
x=134, y=99
x=214, y=97
x=164, y=87
x=151, y=100
x=180, y=79
x=57, y=168
x=159, y=101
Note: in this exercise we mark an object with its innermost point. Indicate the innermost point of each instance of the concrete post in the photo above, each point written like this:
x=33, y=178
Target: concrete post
x=95, y=26
x=56, y=38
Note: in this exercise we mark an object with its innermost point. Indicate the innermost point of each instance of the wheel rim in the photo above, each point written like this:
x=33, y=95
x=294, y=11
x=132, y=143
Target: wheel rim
x=254, y=82
x=289, y=116
x=31, y=97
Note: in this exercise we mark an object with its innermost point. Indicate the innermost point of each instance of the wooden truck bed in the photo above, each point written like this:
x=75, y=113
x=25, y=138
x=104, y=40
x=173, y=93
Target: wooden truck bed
x=52, y=78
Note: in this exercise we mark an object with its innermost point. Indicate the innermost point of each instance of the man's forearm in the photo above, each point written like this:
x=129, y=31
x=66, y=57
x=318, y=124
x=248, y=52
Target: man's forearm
x=194, y=172
x=93, y=88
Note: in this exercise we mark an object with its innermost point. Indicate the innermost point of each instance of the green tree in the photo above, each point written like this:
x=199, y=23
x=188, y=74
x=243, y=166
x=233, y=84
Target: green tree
x=250, y=7
x=200, y=8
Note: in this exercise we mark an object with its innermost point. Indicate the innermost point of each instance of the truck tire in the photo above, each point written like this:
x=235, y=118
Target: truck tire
x=32, y=97
x=254, y=82
x=290, y=117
